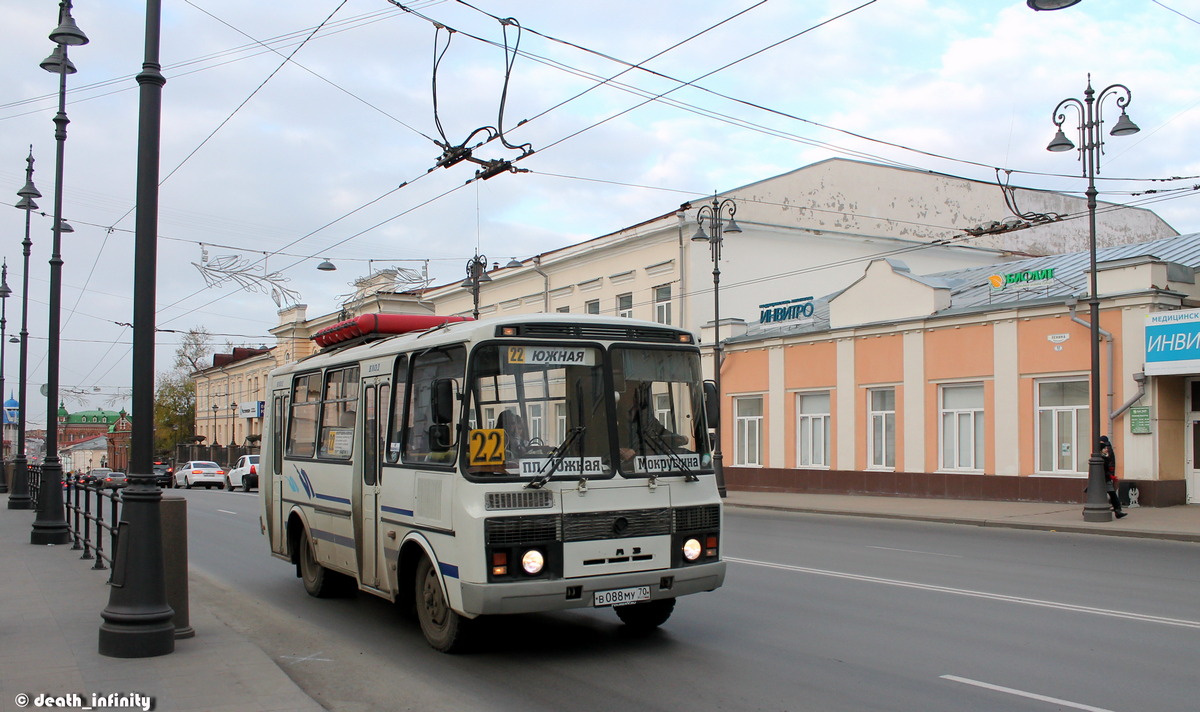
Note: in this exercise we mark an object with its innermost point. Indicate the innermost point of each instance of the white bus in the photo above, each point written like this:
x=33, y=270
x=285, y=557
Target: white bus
x=532, y=463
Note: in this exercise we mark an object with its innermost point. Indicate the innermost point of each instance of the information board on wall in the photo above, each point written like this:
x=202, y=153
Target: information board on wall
x=1139, y=420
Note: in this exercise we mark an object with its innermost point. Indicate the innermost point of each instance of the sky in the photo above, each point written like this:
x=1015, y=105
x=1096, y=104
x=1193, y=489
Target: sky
x=299, y=136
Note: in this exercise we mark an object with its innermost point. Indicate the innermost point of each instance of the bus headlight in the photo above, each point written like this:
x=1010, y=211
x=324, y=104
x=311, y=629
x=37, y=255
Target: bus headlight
x=532, y=562
x=691, y=549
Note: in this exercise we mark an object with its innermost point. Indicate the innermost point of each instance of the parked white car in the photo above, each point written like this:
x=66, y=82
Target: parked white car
x=244, y=474
x=199, y=472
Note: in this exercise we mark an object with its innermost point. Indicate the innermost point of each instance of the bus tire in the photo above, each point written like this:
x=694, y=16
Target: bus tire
x=445, y=630
x=319, y=581
x=646, y=616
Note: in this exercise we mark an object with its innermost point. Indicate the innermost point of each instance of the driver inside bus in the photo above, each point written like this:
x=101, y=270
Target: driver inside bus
x=638, y=431
x=516, y=437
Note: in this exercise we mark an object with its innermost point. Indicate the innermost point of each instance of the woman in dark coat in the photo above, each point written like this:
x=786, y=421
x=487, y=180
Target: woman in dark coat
x=1110, y=474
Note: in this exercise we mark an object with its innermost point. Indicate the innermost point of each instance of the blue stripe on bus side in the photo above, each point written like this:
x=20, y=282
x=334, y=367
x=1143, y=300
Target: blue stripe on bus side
x=331, y=498
x=335, y=538
x=397, y=510
x=448, y=570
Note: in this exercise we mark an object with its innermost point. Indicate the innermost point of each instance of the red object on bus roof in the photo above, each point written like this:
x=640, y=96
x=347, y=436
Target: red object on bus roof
x=380, y=324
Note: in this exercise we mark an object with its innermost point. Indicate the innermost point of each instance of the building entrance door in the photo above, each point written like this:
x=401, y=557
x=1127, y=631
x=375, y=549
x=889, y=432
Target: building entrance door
x=1193, y=441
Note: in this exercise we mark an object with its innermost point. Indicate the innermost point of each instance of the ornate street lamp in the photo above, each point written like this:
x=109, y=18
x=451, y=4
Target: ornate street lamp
x=712, y=214
x=50, y=527
x=18, y=497
x=232, y=423
x=138, y=620
x=5, y=293
x=1091, y=147
x=476, y=276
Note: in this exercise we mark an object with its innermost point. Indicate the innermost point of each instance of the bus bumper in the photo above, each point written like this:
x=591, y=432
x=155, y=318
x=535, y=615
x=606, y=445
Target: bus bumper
x=557, y=594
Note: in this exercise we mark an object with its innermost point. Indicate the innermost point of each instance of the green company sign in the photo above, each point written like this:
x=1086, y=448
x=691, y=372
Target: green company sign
x=1013, y=279
x=1139, y=420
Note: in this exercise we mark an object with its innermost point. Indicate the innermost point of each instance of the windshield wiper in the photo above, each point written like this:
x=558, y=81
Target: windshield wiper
x=661, y=446
x=557, y=456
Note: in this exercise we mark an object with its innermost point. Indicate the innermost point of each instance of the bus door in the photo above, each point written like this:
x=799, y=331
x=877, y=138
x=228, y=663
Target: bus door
x=376, y=395
x=272, y=473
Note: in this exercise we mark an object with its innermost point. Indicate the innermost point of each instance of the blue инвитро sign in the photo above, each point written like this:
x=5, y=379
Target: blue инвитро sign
x=1173, y=342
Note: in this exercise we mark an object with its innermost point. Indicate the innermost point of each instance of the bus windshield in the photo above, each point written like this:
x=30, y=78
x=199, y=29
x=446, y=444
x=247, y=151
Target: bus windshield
x=659, y=412
x=537, y=411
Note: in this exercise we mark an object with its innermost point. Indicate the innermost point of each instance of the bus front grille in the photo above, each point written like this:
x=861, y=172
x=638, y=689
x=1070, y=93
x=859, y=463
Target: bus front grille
x=588, y=526
x=703, y=518
x=527, y=499
x=500, y=531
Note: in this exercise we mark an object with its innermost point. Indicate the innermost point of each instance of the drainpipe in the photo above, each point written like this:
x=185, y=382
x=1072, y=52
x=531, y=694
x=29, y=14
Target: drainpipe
x=537, y=267
x=681, y=219
x=1108, y=338
x=1140, y=379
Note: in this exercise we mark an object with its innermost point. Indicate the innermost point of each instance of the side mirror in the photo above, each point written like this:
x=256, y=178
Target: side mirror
x=442, y=397
x=712, y=404
x=439, y=438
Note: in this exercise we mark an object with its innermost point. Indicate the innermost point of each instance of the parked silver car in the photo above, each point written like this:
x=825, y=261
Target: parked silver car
x=199, y=472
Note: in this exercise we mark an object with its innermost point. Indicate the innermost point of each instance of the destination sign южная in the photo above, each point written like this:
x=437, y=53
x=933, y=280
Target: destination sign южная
x=551, y=356
x=566, y=466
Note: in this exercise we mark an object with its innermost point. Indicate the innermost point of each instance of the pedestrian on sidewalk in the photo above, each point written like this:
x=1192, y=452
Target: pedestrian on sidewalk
x=1110, y=475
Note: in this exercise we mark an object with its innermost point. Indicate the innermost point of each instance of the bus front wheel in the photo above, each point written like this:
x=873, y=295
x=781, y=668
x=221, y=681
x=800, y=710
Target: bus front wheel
x=318, y=580
x=646, y=616
x=445, y=630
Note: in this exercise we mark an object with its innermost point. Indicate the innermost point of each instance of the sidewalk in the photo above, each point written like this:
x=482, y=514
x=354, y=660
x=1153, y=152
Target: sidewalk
x=50, y=605
x=1180, y=523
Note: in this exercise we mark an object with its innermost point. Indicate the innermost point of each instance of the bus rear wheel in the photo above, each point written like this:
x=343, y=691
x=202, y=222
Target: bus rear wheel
x=646, y=616
x=445, y=630
x=319, y=581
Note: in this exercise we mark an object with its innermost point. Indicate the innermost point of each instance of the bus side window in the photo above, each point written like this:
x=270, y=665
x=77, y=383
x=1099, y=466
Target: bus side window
x=427, y=441
x=395, y=439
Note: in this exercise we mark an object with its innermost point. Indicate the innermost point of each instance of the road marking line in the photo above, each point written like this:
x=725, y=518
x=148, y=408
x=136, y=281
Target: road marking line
x=226, y=511
x=1180, y=622
x=1022, y=693
x=914, y=551
x=305, y=659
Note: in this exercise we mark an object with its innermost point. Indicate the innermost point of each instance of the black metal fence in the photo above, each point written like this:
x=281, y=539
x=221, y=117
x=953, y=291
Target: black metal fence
x=92, y=513
x=225, y=456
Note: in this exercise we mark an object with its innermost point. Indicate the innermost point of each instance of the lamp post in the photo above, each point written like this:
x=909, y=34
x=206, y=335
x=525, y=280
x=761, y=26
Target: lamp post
x=476, y=275
x=50, y=527
x=138, y=620
x=18, y=497
x=214, y=440
x=5, y=293
x=1050, y=4
x=712, y=214
x=1091, y=147
x=232, y=423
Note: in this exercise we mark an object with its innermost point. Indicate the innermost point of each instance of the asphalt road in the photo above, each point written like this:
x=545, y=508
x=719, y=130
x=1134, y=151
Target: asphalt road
x=819, y=612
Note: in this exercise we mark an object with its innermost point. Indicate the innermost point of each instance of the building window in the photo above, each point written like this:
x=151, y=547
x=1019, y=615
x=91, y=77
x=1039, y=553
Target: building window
x=567, y=309
x=1063, y=423
x=625, y=305
x=812, y=429
x=881, y=438
x=592, y=307
x=747, y=439
x=962, y=427
x=662, y=304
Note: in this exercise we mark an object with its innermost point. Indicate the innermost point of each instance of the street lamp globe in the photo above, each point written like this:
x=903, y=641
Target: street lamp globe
x=1050, y=4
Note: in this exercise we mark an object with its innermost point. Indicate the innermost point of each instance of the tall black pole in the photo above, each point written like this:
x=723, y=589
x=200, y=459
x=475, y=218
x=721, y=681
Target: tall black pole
x=137, y=621
x=712, y=213
x=50, y=526
x=19, y=497
x=1096, y=508
x=5, y=292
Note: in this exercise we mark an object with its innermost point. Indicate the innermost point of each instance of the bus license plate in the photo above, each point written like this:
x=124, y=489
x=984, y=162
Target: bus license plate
x=621, y=596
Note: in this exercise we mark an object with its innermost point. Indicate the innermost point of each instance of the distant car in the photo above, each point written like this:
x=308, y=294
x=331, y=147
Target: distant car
x=164, y=474
x=244, y=474
x=113, y=480
x=94, y=476
x=199, y=472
